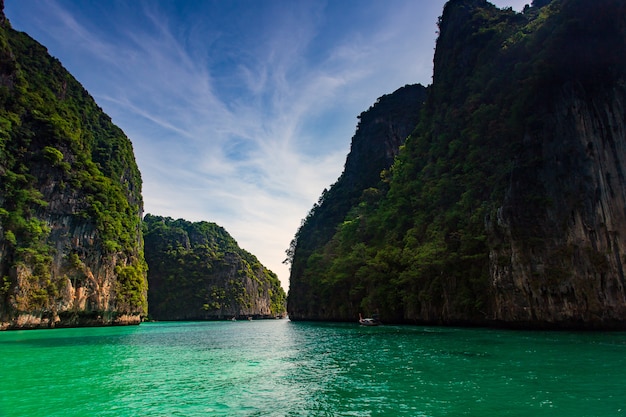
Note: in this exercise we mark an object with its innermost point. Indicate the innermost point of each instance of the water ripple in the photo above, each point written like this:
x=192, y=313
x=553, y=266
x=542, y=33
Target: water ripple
x=280, y=368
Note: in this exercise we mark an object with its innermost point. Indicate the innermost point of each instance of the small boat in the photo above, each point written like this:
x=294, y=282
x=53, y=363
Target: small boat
x=368, y=321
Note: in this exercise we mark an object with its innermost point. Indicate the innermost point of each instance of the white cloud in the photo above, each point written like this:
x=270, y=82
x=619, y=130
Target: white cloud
x=241, y=122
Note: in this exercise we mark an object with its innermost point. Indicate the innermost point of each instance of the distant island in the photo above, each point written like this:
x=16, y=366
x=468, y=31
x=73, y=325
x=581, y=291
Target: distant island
x=197, y=271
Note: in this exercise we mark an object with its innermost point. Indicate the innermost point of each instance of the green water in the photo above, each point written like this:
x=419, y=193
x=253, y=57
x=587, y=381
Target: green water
x=282, y=368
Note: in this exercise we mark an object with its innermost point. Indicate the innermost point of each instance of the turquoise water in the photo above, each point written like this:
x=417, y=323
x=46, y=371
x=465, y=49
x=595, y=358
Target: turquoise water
x=282, y=368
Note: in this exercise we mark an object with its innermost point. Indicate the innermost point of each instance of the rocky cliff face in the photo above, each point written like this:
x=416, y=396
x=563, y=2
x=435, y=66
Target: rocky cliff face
x=572, y=271
x=381, y=131
x=70, y=200
x=557, y=254
x=198, y=272
x=506, y=205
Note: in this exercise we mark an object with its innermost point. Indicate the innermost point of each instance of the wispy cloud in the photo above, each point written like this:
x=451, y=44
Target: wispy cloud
x=240, y=113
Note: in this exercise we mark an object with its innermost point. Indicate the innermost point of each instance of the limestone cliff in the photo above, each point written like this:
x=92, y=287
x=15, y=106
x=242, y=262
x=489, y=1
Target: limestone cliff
x=71, y=251
x=198, y=272
x=562, y=258
x=506, y=206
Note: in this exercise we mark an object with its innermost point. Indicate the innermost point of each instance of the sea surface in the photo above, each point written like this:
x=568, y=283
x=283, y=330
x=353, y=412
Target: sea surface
x=284, y=368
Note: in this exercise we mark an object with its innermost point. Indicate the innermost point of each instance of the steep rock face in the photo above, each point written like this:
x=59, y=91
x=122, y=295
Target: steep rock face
x=506, y=204
x=380, y=133
x=572, y=272
x=198, y=272
x=70, y=200
x=557, y=252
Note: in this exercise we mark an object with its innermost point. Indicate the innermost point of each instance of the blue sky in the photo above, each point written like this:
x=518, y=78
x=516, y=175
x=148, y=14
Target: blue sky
x=240, y=112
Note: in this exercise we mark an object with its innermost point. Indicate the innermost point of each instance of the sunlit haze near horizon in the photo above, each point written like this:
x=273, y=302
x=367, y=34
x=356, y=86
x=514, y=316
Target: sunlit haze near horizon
x=240, y=112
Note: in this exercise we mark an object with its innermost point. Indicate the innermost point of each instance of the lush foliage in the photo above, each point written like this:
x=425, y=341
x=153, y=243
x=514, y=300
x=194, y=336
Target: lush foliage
x=61, y=157
x=416, y=248
x=380, y=134
x=197, y=271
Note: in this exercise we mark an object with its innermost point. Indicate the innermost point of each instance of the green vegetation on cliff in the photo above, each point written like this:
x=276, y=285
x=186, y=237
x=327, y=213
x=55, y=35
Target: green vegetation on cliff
x=70, y=193
x=380, y=133
x=197, y=271
x=468, y=208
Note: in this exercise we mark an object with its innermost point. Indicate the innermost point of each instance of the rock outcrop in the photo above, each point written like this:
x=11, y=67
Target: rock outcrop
x=71, y=252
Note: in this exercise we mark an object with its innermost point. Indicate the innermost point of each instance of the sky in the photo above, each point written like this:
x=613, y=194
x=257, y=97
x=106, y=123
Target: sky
x=240, y=112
